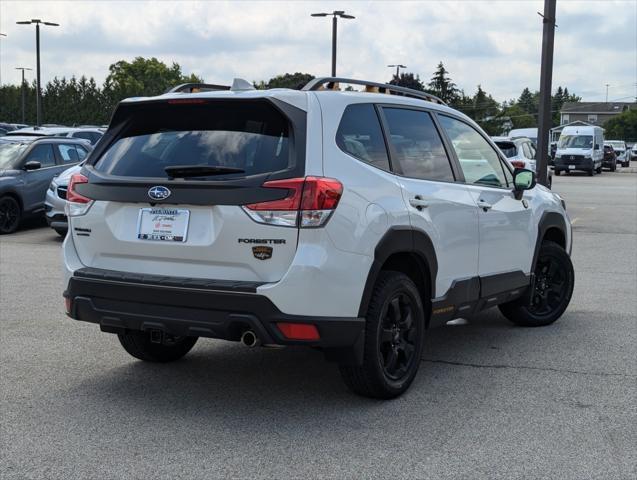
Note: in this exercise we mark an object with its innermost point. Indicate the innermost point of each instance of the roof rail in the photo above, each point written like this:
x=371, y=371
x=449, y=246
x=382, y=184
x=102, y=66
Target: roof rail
x=196, y=87
x=318, y=83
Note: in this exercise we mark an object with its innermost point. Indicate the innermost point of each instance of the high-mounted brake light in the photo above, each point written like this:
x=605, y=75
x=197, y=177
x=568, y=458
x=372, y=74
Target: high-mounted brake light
x=76, y=203
x=309, y=203
x=186, y=101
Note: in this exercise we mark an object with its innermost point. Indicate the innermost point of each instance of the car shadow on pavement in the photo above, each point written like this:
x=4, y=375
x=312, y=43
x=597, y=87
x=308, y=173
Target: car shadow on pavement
x=218, y=376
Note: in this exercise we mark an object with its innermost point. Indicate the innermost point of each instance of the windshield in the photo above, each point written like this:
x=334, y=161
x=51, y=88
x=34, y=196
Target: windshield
x=253, y=138
x=576, y=141
x=616, y=145
x=9, y=154
x=507, y=148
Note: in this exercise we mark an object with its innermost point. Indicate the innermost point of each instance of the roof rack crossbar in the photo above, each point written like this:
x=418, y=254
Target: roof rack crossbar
x=318, y=83
x=196, y=87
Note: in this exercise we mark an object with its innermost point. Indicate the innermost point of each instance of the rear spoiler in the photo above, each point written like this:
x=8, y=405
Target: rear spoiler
x=196, y=87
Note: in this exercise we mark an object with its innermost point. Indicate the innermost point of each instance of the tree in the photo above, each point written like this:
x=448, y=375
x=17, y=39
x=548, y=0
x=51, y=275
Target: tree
x=295, y=81
x=408, y=80
x=623, y=126
x=527, y=101
x=442, y=86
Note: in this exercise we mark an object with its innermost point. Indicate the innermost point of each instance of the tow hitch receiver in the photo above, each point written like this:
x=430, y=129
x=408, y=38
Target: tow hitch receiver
x=156, y=336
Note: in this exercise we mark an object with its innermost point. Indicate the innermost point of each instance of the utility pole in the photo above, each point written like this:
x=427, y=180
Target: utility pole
x=38, y=102
x=24, y=95
x=607, y=85
x=335, y=16
x=398, y=67
x=546, y=78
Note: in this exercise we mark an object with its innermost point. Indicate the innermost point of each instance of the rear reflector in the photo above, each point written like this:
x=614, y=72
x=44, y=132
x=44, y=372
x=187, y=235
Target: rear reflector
x=309, y=203
x=299, y=331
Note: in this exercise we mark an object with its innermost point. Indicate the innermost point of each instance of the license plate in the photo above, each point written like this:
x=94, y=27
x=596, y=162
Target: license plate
x=571, y=167
x=163, y=224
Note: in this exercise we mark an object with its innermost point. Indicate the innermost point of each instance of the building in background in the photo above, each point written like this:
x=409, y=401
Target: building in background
x=593, y=113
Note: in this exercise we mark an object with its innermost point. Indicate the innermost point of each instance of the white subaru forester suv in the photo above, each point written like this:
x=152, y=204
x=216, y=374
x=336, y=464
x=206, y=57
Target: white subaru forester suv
x=349, y=221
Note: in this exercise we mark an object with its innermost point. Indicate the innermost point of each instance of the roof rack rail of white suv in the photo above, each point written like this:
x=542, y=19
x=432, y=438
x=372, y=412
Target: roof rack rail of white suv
x=372, y=87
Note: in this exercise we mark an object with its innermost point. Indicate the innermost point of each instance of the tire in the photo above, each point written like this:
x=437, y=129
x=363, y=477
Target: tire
x=61, y=231
x=613, y=167
x=394, y=333
x=625, y=164
x=10, y=215
x=552, y=290
x=599, y=169
x=557, y=172
x=591, y=172
x=138, y=344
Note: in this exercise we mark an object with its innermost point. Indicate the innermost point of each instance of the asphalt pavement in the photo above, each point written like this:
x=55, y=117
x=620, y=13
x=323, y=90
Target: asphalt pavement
x=491, y=400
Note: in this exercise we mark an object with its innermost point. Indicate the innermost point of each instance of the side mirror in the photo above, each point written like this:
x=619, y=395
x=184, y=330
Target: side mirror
x=523, y=179
x=32, y=165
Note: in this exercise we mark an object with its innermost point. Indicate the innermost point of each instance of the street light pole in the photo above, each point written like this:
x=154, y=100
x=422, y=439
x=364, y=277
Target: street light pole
x=24, y=96
x=398, y=67
x=38, y=101
x=1, y=35
x=607, y=85
x=335, y=16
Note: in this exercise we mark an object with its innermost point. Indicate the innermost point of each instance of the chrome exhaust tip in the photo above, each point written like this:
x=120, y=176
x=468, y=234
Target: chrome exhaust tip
x=250, y=339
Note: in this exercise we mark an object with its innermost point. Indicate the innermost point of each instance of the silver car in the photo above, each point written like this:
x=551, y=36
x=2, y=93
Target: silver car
x=56, y=200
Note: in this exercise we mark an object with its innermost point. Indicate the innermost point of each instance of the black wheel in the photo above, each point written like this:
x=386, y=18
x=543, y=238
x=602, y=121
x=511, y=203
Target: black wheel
x=552, y=290
x=393, y=339
x=625, y=164
x=557, y=172
x=9, y=215
x=138, y=344
x=613, y=167
x=599, y=169
x=591, y=172
x=61, y=231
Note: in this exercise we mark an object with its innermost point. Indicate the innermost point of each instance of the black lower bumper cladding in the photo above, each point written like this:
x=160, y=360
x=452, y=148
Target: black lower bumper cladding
x=178, y=306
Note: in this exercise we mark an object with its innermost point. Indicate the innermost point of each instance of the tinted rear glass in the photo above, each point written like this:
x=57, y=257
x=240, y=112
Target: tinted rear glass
x=251, y=136
x=508, y=148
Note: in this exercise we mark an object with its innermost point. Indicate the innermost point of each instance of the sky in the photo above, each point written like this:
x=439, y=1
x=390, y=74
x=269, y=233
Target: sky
x=496, y=44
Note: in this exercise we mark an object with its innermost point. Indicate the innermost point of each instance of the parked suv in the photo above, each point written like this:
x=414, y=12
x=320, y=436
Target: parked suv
x=610, y=158
x=619, y=146
x=520, y=153
x=27, y=166
x=346, y=221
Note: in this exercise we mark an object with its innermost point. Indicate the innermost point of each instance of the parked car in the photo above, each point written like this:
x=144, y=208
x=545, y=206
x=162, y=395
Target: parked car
x=345, y=221
x=91, y=135
x=620, y=150
x=27, y=165
x=530, y=133
x=521, y=153
x=580, y=148
x=610, y=158
x=55, y=201
x=633, y=152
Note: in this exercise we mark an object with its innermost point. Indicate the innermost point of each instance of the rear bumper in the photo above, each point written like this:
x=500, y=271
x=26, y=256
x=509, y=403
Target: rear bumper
x=188, y=307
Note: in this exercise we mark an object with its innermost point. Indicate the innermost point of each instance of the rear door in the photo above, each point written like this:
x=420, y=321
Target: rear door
x=149, y=218
x=437, y=204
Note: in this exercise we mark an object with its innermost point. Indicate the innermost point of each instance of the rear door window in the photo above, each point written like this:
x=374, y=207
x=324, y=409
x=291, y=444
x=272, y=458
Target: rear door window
x=359, y=134
x=417, y=146
x=251, y=136
x=68, y=153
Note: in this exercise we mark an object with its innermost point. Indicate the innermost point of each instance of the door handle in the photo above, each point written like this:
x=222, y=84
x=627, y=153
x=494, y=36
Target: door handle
x=418, y=202
x=486, y=206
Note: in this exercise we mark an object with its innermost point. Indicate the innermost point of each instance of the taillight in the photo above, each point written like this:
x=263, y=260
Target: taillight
x=518, y=163
x=76, y=203
x=309, y=203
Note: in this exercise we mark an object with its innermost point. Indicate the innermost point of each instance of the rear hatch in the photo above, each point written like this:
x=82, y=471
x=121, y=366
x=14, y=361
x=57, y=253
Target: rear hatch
x=170, y=182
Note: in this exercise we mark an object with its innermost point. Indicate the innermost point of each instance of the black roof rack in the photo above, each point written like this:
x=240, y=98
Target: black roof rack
x=318, y=84
x=196, y=87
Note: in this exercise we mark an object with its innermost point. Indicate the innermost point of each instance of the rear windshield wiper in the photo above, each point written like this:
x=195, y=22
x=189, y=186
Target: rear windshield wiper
x=188, y=171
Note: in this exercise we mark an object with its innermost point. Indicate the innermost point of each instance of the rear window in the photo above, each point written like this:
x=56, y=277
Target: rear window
x=508, y=148
x=252, y=136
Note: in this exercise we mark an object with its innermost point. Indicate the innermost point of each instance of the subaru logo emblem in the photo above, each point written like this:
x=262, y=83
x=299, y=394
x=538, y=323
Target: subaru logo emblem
x=159, y=193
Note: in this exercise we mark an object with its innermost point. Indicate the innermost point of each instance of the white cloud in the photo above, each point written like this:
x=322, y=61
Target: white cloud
x=495, y=44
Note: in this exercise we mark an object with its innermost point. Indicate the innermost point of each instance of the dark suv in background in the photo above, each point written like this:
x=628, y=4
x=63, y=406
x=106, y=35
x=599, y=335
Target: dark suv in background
x=27, y=166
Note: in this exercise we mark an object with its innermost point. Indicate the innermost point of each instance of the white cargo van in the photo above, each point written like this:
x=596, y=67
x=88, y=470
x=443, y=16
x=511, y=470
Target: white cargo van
x=580, y=148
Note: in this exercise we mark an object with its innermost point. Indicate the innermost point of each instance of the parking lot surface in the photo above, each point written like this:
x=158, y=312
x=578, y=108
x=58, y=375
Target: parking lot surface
x=491, y=400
